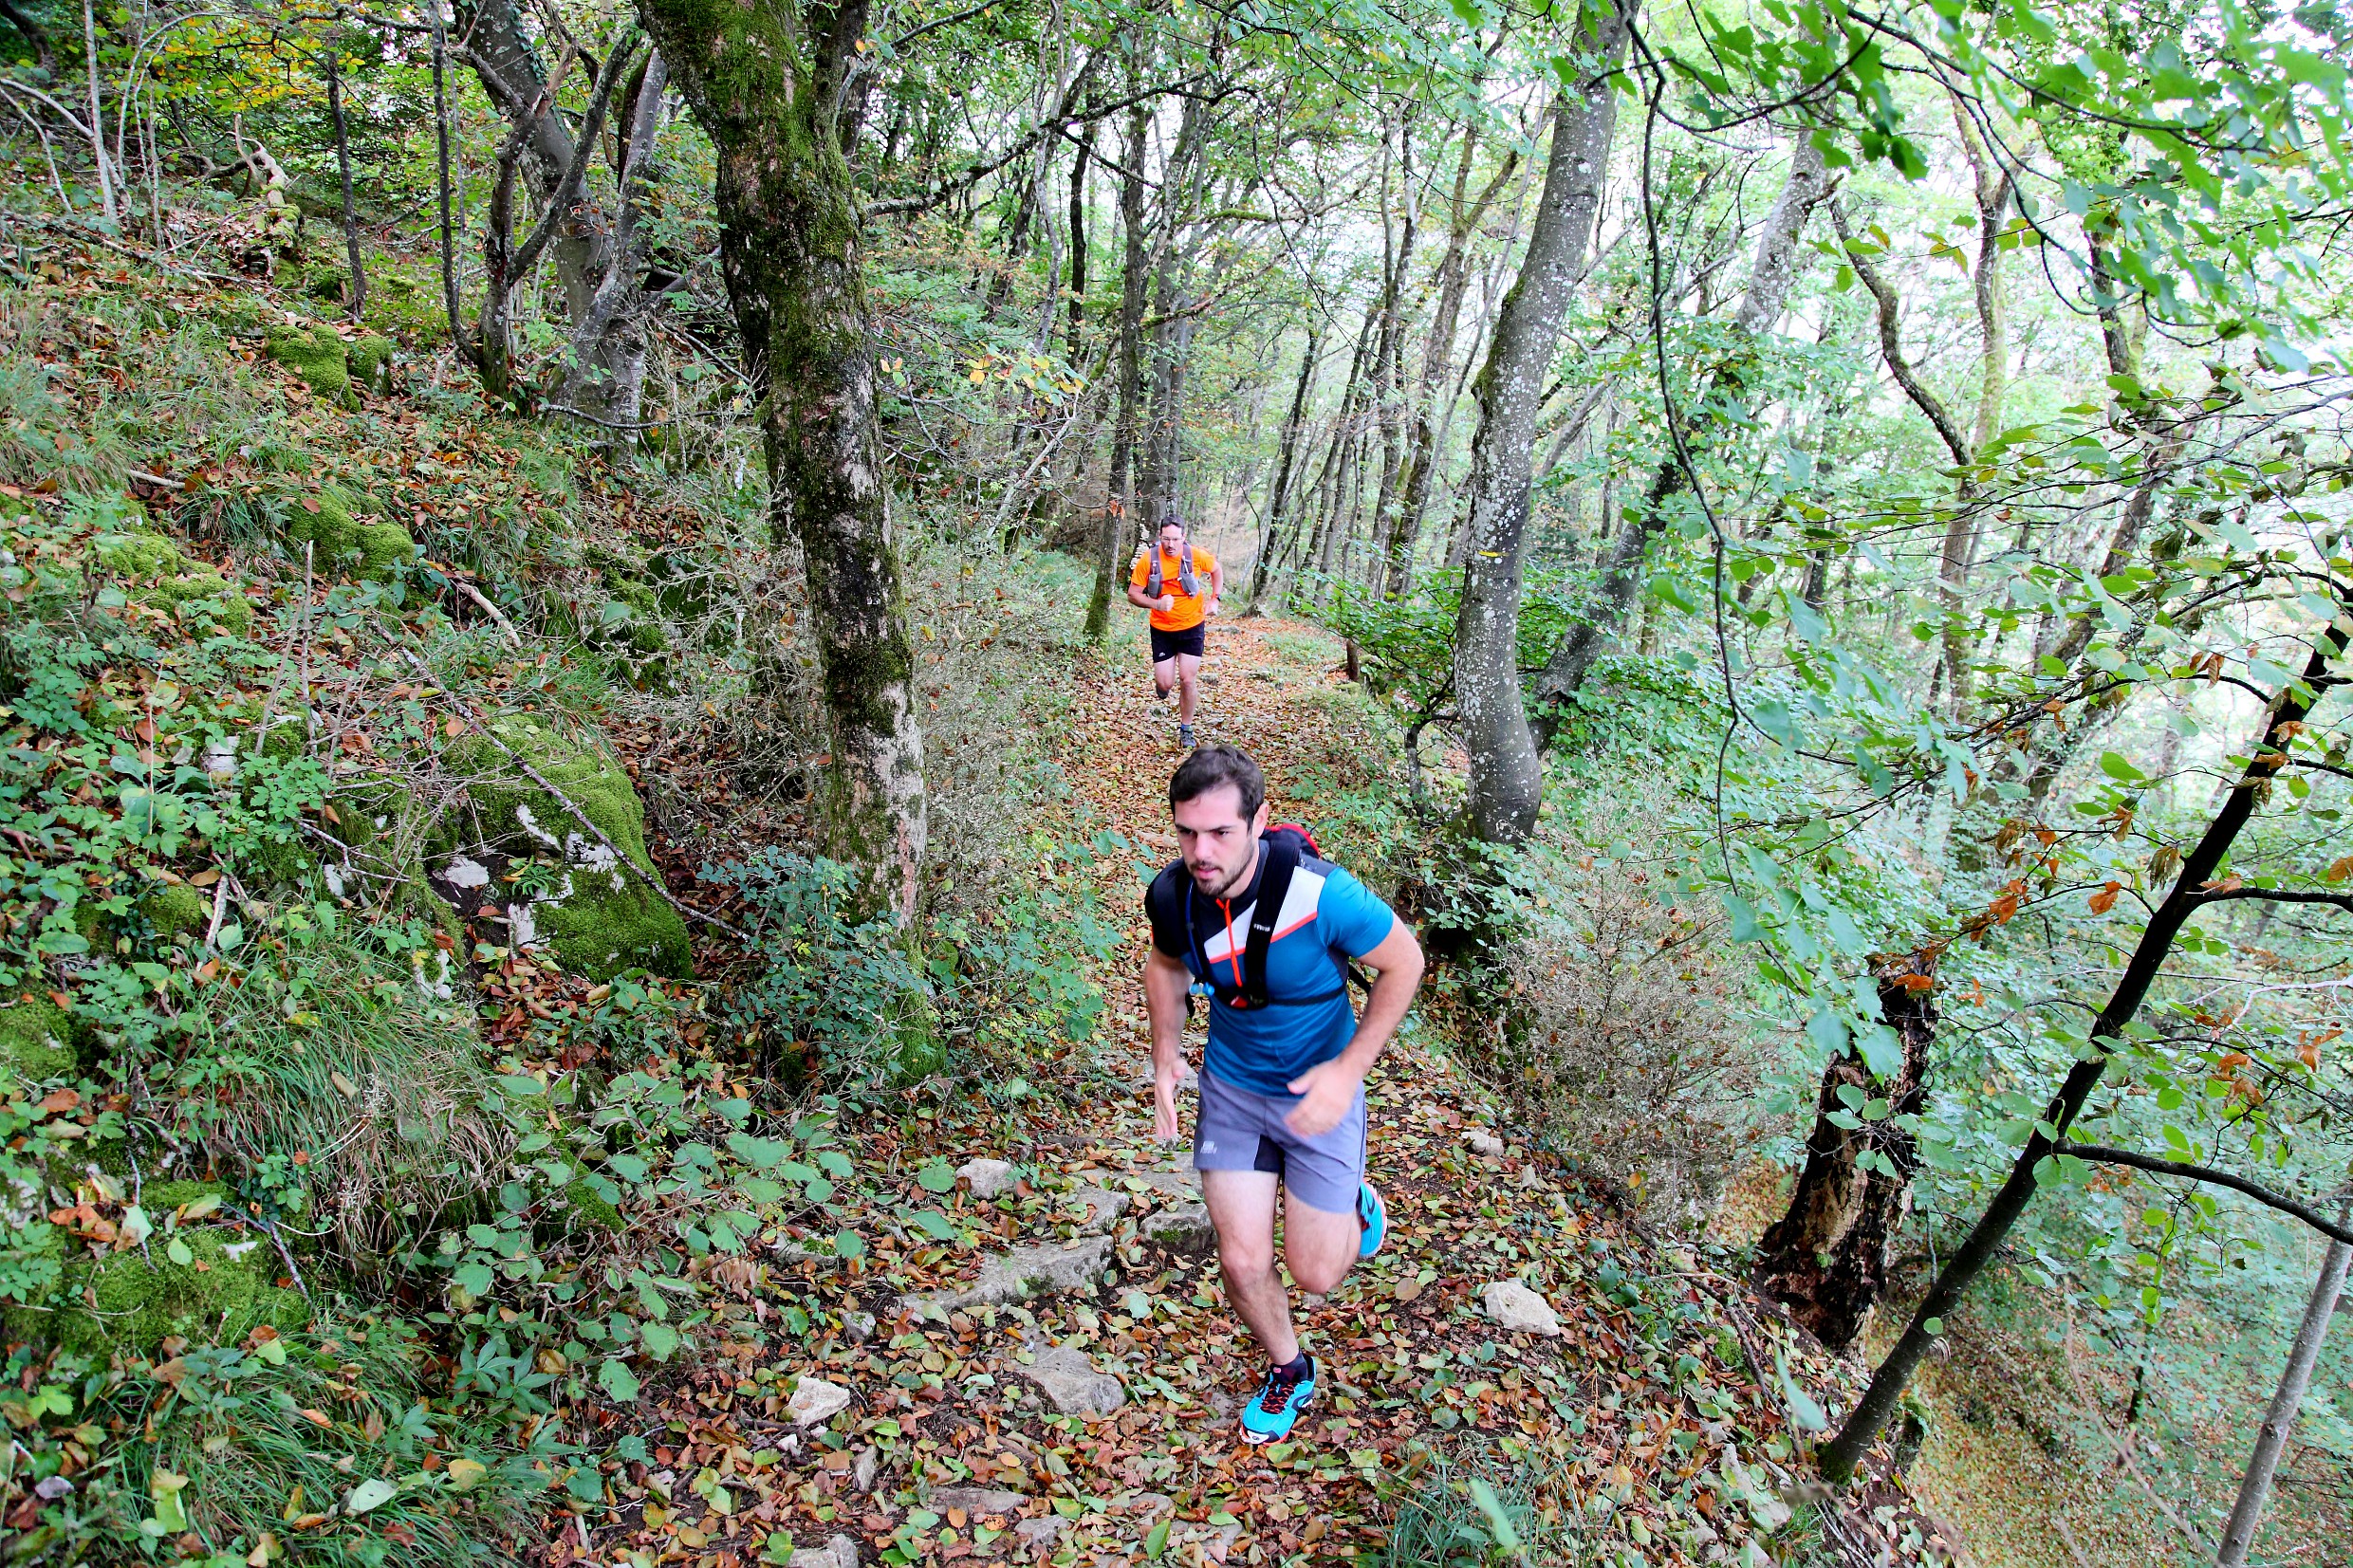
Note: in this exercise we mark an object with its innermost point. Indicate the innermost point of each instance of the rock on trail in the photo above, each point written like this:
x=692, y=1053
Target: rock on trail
x=1519, y=1309
x=1022, y=1272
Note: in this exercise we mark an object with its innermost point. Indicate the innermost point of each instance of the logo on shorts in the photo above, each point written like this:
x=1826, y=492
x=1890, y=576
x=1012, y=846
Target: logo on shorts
x=1210, y=1147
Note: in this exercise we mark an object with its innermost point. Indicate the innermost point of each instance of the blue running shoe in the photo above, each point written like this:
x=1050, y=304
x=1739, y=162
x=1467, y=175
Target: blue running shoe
x=1372, y=1216
x=1269, y=1416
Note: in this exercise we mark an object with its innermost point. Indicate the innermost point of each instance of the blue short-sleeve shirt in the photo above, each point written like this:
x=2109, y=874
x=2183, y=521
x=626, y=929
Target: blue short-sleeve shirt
x=1328, y=919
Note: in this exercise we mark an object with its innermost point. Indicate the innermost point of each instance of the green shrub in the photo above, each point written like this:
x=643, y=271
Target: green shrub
x=834, y=992
x=301, y=1448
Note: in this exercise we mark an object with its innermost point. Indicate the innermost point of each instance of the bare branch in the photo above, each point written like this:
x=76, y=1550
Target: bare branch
x=2257, y=1190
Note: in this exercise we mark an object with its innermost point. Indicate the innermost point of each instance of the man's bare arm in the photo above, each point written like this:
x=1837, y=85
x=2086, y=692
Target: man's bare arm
x=1399, y=963
x=1165, y=984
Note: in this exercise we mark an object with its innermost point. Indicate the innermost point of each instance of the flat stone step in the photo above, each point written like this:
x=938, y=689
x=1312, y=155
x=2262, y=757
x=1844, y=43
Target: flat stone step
x=1024, y=1272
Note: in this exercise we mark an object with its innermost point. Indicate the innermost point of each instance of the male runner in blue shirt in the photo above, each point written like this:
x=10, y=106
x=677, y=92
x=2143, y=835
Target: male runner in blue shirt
x=1283, y=1079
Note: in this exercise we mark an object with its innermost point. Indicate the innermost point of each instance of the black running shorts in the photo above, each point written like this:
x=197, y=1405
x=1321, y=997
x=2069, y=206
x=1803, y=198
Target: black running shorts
x=1167, y=645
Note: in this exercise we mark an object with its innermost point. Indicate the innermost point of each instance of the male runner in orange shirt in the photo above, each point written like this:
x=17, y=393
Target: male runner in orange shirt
x=1179, y=586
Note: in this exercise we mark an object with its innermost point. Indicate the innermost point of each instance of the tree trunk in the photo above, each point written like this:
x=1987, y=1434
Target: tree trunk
x=1078, y=233
x=607, y=379
x=1958, y=552
x=1388, y=378
x=1828, y=1256
x=328, y=53
x=1109, y=558
x=585, y=244
x=442, y=181
x=2288, y=707
x=1437, y=360
x=2271, y=1439
x=516, y=83
x=764, y=84
x=1769, y=277
x=1286, y=466
x=1505, y=776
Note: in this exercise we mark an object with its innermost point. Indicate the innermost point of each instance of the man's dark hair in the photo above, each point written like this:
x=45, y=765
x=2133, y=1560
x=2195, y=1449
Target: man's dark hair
x=1213, y=766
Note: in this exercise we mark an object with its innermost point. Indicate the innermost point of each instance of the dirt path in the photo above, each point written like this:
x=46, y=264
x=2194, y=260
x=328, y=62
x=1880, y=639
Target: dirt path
x=1061, y=1387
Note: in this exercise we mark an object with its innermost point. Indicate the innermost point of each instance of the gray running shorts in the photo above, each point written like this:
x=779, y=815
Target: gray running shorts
x=1237, y=1129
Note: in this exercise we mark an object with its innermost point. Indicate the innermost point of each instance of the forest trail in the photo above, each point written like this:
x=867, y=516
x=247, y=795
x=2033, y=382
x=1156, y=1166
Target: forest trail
x=1090, y=1420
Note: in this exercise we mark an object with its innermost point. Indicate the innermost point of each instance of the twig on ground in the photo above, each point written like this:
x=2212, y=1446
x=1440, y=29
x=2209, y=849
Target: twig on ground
x=482, y=602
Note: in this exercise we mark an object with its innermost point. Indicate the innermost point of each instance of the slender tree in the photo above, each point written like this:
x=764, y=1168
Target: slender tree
x=2285, y=715
x=1718, y=404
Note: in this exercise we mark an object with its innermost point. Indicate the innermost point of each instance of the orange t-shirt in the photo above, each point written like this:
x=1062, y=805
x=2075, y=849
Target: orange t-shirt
x=1191, y=608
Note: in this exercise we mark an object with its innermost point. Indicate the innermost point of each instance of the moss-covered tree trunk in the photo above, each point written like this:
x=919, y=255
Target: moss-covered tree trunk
x=766, y=82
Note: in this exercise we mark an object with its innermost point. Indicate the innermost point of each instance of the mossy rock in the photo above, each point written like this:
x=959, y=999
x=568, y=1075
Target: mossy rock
x=603, y=918
x=316, y=355
x=156, y=571
x=36, y=1039
x=369, y=362
x=175, y=912
x=340, y=527
x=383, y=547
x=143, y=1297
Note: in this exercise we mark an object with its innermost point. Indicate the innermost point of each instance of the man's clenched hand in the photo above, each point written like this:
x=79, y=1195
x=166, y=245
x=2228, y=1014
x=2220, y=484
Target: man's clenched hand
x=1328, y=1089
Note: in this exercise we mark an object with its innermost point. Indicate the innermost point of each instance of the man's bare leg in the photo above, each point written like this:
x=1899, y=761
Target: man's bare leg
x=1189, y=685
x=1318, y=1246
x=1164, y=675
x=1241, y=1206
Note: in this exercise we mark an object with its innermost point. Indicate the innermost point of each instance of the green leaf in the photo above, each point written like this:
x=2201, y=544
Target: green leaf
x=2116, y=765
x=1498, y=1522
x=618, y=1383
x=933, y=1224
x=1155, y=1542
x=1804, y=1413
x=372, y=1493
x=178, y=1251
x=1745, y=925
x=936, y=1177
x=1827, y=1030
x=660, y=1340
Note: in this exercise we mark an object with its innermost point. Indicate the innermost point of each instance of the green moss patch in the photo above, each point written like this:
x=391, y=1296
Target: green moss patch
x=175, y=912
x=155, y=570
x=226, y=1287
x=369, y=363
x=36, y=1038
x=336, y=525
